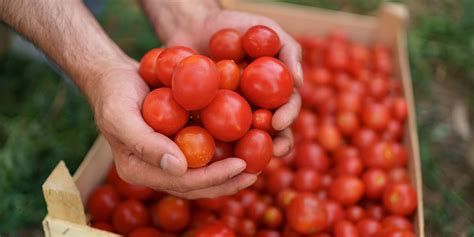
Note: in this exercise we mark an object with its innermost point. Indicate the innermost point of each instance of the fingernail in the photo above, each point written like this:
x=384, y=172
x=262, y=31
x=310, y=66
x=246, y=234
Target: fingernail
x=299, y=73
x=170, y=163
x=238, y=169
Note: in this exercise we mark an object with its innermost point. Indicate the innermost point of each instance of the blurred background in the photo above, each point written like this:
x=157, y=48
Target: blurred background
x=44, y=118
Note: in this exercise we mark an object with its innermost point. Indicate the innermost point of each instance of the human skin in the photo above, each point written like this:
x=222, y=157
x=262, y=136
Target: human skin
x=68, y=33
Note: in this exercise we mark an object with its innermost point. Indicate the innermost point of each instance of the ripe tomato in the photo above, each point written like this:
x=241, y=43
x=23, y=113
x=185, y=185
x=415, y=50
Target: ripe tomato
x=355, y=213
x=305, y=127
x=399, y=109
x=230, y=221
x=306, y=214
x=226, y=44
x=345, y=151
x=334, y=211
x=375, y=116
x=266, y=83
x=131, y=191
x=398, y=175
x=145, y=232
x=246, y=228
x=195, y=82
x=380, y=155
x=261, y=41
x=364, y=137
x=284, y=197
x=161, y=112
x=395, y=233
x=223, y=150
x=344, y=228
x=147, y=68
x=349, y=166
x=368, y=227
x=311, y=155
x=259, y=184
x=262, y=119
x=280, y=179
x=375, y=181
x=400, y=153
x=329, y=137
x=102, y=202
x=112, y=176
x=102, y=225
x=168, y=60
x=320, y=95
x=396, y=222
x=171, y=214
x=229, y=74
x=337, y=57
x=378, y=87
x=214, y=230
x=400, y=199
x=306, y=180
x=394, y=131
x=328, y=107
x=374, y=211
x=308, y=95
x=232, y=207
x=212, y=204
x=246, y=197
x=197, y=145
x=349, y=102
x=359, y=52
x=347, y=122
x=129, y=215
x=256, y=210
x=382, y=61
x=272, y=217
x=346, y=189
x=318, y=76
x=268, y=233
x=255, y=148
x=228, y=117
x=201, y=217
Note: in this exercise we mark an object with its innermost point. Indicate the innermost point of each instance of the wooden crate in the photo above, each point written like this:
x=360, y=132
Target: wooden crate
x=65, y=195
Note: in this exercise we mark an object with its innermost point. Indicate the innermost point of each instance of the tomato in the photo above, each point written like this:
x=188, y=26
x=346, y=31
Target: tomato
x=262, y=119
x=284, y=197
x=321, y=94
x=400, y=199
x=171, y=214
x=375, y=211
x=395, y=233
x=347, y=122
x=102, y=202
x=349, y=166
x=161, y=112
x=364, y=137
x=394, y=131
x=334, y=211
x=259, y=184
x=246, y=228
x=212, y=204
x=228, y=117
x=246, y=197
x=288, y=159
x=345, y=228
x=280, y=179
x=201, y=217
x=145, y=232
x=232, y=207
x=256, y=210
x=375, y=116
x=329, y=137
x=336, y=57
x=147, y=68
x=380, y=155
x=349, y=102
x=272, y=217
x=112, y=176
x=223, y=150
x=306, y=214
x=398, y=175
x=102, y=225
x=359, y=53
x=129, y=215
x=346, y=151
x=306, y=180
x=197, y=145
x=355, y=213
x=268, y=233
x=289, y=232
x=400, y=153
x=326, y=181
x=375, y=181
x=311, y=155
x=229, y=74
x=304, y=127
x=255, y=148
x=318, y=76
x=226, y=44
x=214, y=230
x=378, y=87
x=168, y=60
x=308, y=95
x=274, y=164
x=399, y=109
x=346, y=189
x=261, y=41
x=195, y=82
x=382, y=61
x=396, y=222
x=230, y=221
x=328, y=107
x=266, y=83
x=368, y=227
x=138, y=192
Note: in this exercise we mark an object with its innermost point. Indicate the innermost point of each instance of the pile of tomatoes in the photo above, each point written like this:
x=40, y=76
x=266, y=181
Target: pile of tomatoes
x=346, y=177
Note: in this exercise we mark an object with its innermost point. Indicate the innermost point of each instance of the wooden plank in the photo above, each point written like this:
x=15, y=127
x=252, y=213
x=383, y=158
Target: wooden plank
x=59, y=228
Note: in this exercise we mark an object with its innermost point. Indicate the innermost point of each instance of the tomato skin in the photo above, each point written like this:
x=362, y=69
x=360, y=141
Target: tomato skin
x=138, y=192
x=223, y=150
x=256, y=210
x=145, y=232
x=305, y=126
x=228, y=117
x=306, y=180
x=329, y=137
x=344, y=228
x=375, y=116
x=280, y=179
x=380, y=155
x=214, y=230
x=399, y=109
x=195, y=82
x=161, y=112
x=349, y=102
x=311, y=155
x=394, y=131
x=368, y=227
x=272, y=217
x=355, y=213
x=336, y=57
x=168, y=60
x=306, y=214
x=102, y=225
x=229, y=74
x=349, y=166
x=201, y=217
x=232, y=207
x=102, y=202
x=268, y=233
x=396, y=222
x=364, y=137
x=346, y=189
x=400, y=199
x=261, y=41
x=334, y=211
x=262, y=119
x=197, y=145
x=347, y=122
x=378, y=87
x=318, y=76
x=284, y=197
x=398, y=175
x=395, y=233
x=226, y=44
x=246, y=197
x=230, y=221
x=212, y=204
x=266, y=83
x=255, y=148
x=129, y=215
x=375, y=181
x=171, y=214
x=147, y=68
x=112, y=175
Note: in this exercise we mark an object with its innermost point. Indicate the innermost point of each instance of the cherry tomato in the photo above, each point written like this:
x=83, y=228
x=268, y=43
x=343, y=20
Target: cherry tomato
x=280, y=179
x=368, y=227
x=171, y=214
x=400, y=153
x=400, y=199
x=214, y=230
x=346, y=189
x=364, y=137
x=232, y=207
x=261, y=41
x=308, y=95
x=212, y=204
x=259, y=184
x=138, y=192
x=255, y=148
x=246, y=228
x=223, y=150
x=229, y=74
x=112, y=176
x=375, y=211
x=355, y=213
x=334, y=211
x=228, y=117
x=346, y=151
x=375, y=116
x=256, y=210
x=318, y=76
x=399, y=109
x=266, y=83
x=168, y=60
x=329, y=137
x=395, y=233
x=349, y=166
x=226, y=44
x=197, y=145
x=201, y=217
x=337, y=57
x=306, y=214
x=274, y=164
x=230, y=221
x=102, y=202
x=195, y=82
x=328, y=107
x=145, y=232
x=147, y=68
x=284, y=197
x=129, y=215
x=306, y=180
x=268, y=233
x=398, y=175
x=161, y=112
x=378, y=87
x=375, y=181
x=349, y=102
x=102, y=225
x=320, y=95
x=382, y=61
x=360, y=53
x=344, y=228
x=347, y=122
x=394, y=131
x=262, y=119
x=380, y=155
x=246, y=197
x=305, y=127
x=396, y=222
x=311, y=155
x=272, y=217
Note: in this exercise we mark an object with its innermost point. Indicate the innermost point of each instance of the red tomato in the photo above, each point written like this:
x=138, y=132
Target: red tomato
x=226, y=44
x=246, y=197
x=380, y=155
x=306, y=214
x=255, y=148
x=289, y=232
x=329, y=137
x=102, y=225
x=375, y=211
x=382, y=61
x=355, y=213
x=131, y=191
x=395, y=233
x=308, y=95
x=321, y=94
x=359, y=53
x=232, y=207
x=272, y=217
x=102, y=202
x=349, y=166
x=328, y=107
x=246, y=228
x=214, y=230
x=368, y=227
x=311, y=155
x=161, y=112
x=147, y=68
x=195, y=82
x=375, y=116
x=268, y=233
x=129, y=215
x=345, y=228
x=223, y=150
x=228, y=117
x=112, y=176
x=284, y=197
x=399, y=109
x=230, y=221
x=400, y=153
x=197, y=145
x=256, y=210
x=262, y=119
x=364, y=137
x=378, y=87
x=229, y=74
x=201, y=217
x=375, y=181
x=171, y=214
x=280, y=179
x=274, y=164
x=326, y=181
x=400, y=199
x=145, y=232
x=346, y=151
x=337, y=36
x=259, y=184
x=346, y=189
x=168, y=60
x=349, y=102
x=337, y=57
x=305, y=127
x=266, y=83
x=334, y=211
x=394, y=131
x=318, y=76
x=261, y=41
x=212, y=204
x=396, y=222
x=398, y=175
x=347, y=122
x=306, y=180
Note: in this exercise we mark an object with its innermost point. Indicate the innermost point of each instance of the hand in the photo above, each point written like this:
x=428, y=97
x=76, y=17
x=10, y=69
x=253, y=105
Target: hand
x=196, y=35
x=144, y=157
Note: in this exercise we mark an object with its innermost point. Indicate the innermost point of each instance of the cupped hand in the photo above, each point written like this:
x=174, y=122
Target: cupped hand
x=197, y=35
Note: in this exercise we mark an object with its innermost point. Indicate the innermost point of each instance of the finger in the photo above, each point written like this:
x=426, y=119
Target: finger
x=290, y=54
x=287, y=113
x=230, y=187
x=283, y=143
